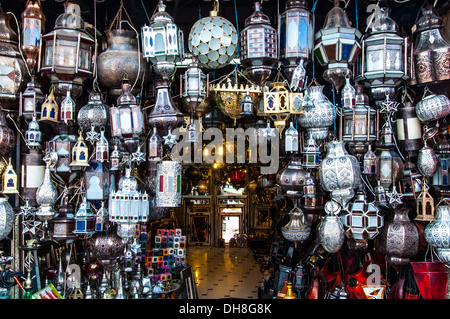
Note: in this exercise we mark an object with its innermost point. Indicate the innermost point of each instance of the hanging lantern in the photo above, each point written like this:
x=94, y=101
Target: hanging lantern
x=80, y=153
x=46, y=197
x=437, y=232
x=6, y=218
x=13, y=72
x=331, y=230
x=295, y=230
x=380, y=195
x=33, y=25
x=102, y=148
x=359, y=123
x=370, y=162
x=93, y=116
x=128, y=205
x=107, y=247
x=411, y=183
x=214, y=40
x=32, y=174
x=384, y=60
x=9, y=180
x=291, y=139
x=427, y=162
x=64, y=222
x=114, y=160
x=168, y=187
x=311, y=154
x=97, y=182
x=127, y=119
x=292, y=178
x=101, y=219
x=441, y=178
x=318, y=113
x=362, y=220
x=337, y=46
x=162, y=42
x=67, y=109
x=425, y=205
x=7, y=135
x=84, y=219
x=409, y=129
x=63, y=145
x=433, y=107
x=296, y=35
x=33, y=135
x=276, y=105
x=31, y=100
x=49, y=113
x=246, y=105
x=68, y=52
x=194, y=87
x=431, y=49
x=258, y=44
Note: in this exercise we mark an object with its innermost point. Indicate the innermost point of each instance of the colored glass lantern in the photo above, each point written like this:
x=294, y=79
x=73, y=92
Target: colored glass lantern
x=80, y=153
x=296, y=35
x=33, y=135
x=276, y=105
x=311, y=154
x=214, y=40
x=441, y=178
x=68, y=52
x=102, y=148
x=84, y=219
x=67, y=109
x=97, y=182
x=337, y=46
x=49, y=113
x=194, y=87
x=163, y=42
x=9, y=180
x=370, y=162
x=168, y=187
x=258, y=43
x=291, y=139
x=33, y=25
x=384, y=58
x=31, y=100
x=63, y=145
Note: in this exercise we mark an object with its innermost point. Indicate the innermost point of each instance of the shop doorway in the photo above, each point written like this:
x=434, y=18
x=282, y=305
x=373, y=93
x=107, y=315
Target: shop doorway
x=230, y=227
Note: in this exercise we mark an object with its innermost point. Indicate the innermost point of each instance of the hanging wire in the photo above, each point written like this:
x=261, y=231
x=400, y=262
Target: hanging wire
x=145, y=11
x=237, y=26
x=313, y=10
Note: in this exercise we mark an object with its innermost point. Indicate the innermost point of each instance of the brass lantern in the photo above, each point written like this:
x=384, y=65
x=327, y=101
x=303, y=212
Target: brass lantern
x=276, y=105
x=337, y=46
x=384, y=59
x=33, y=25
x=80, y=153
x=10, y=180
x=50, y=110
x=68, y=52
x=258, y=46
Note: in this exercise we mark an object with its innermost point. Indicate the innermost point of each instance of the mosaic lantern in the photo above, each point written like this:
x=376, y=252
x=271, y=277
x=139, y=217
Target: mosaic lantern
x=384, y=60
x=31, y=100
x=50, y=109
x=337, y=46
x=84, y=219
x=168, y=187
x=194, y=87
x=431, y=48
x=162, y=42
x=296, y=35
x=258, y=46
x=214, y=40
x=68, y=52
x=32, y=174
x=33, y=135
x=33, y=25
x=93, y=116
x=362, y=220
x=13, y=72
x=80, y=153
x=9, y=180
x=7, y=135
x=6, y=218
x=409, y=129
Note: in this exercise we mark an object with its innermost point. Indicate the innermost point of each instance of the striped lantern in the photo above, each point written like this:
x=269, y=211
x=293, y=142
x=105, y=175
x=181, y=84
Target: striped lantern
x=168, y=188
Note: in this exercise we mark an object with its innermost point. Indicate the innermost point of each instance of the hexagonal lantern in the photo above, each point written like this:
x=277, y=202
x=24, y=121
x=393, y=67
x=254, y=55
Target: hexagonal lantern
x=362, y=220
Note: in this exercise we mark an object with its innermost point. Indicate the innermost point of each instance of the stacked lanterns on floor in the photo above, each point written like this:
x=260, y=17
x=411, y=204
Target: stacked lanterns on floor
x=363, y=148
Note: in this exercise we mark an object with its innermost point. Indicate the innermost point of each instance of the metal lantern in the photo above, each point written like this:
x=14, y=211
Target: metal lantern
x=168, y=187
x=384, y=59
x=437, y=233
x=80, y=153
x=13, y=72
x=102, y=148
x=331, y=230
x=362, y=220
x=7, y=135
x=194, y=87
x=247, y=105
x=425, y=205
x=101, y=219
x=64, y=222
x=370, y=162
x=411, y=183
x=292, y=178
x=427, y=162
x=311, y=154
x=431, y=49
x=9, y=180
x=276, y=105
x=33, y=25
x=291, y=139
x=106, y=246
x=155, y=146
x=214, y=40
x=63, y=145
x=97, y=182
x=409, y=129
x=337, y=46
x=433, y=107
x=67, y=112
x=68, y=52
x=296, y=35
x=114, y=159
x=6, y=218
x=31, y=100
x=46, y=197
x=84, y=219
x=50, y=109
x=441, y=178
x=295, y=230
x=33, y=135
x=32, y=174
x=359, y=123
x=93, y=116
x=258, y=46
x=127, y=119
x=162, y=42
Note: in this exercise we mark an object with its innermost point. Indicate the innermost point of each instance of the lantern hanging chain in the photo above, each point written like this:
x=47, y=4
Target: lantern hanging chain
x=19, y=38
x=18, y=130
x=118, y=18
x=95, y=86
x=237, y=26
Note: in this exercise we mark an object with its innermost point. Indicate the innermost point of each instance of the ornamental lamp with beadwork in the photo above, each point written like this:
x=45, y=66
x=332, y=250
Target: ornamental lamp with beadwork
x=9, y=180
x=296, y=36
x=162, y=42
x=69, y=52
x=33, y=25
x=31, y=100
x=337, y=46
x=384, y=58
x=258, y=43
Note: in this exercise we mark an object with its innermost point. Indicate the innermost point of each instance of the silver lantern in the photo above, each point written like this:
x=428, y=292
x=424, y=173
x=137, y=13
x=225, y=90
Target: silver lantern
x=295, y=230
x=93, y=116
x=6, y=218
x=433, y=107
x=46, y=197
x=331, y=230
x=168, y=184
x=292, y=178
x=441, y=178
x=258, y=46
x=194, y=87
x=409, y=129
x=427, y=162
x=437, y=233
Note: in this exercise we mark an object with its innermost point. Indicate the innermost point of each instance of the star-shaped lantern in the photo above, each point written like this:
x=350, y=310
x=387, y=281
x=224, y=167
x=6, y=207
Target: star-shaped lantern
x=170, y=139
x=395, y=198
x=33, y=228
x=138, y=157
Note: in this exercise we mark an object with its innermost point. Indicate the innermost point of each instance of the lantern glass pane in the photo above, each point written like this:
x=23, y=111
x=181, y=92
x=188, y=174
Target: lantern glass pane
x=126, y=122
x=48, y=59
x=115, y=121
x=84, y=57
x=65, y=54
x=137, y=120
x=160, y=45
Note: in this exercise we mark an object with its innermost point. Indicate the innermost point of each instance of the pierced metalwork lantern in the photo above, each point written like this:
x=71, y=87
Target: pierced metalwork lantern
x=31, y=100
x=258, y=46
x=409, y=129
x=168, y=187
x=337, y=46
x=7, y=135
x=296, y=230
x=68, y=52
x=93, y=116
x=46, y=197
x=9, y=180
x=163, y=42
x=13, y=73
x=6, y=218
x=64, y=222
x=214, y=40
x=84, y=219
x=296, y=35
x=276, y=105
x=431, y=49
x=33, y=25
x=384, y=58
x=292, y=178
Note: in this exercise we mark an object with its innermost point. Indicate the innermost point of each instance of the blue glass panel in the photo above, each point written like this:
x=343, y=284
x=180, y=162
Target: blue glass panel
x=81, y=226
x=346, y=49
x=303, y=35
x=444, y=164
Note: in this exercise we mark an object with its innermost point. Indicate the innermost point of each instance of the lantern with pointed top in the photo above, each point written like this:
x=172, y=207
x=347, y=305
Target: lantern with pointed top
x=49, y=113
x=33, y=135
x=10, y=180
x=80, y=155
x=31, y=100
x=33, y=25
x=102, y=148
x=84, y=219
x=67, y=109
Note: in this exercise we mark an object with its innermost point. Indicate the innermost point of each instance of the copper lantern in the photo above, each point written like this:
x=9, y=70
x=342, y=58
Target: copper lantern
x=33, y=25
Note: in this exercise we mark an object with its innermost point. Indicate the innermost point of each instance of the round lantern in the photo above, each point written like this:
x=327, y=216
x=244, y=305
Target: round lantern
x=258, y=46
x=214, y=40
x=93, y=116
x=68, y=52
x=33, y=25
x=337, y=46
x=168, y=187
x=292, y=178
x=437, y=233
x=13, y=72
x=433, y=107
x=106, y=246
x=295, y=230
x=6, y=218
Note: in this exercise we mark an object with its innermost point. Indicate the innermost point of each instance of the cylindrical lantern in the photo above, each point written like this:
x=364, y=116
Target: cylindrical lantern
x=258, y=46
x=68, y=52
x=33, y=25
x=64, y=223
x=441, y=178
x=168, y=187
x=194, y=87
x=31, y=100
x=296, y=35
x=7, y=135
x=409, y=129
x=32, y=174
x=6, y=218
x=433, y=107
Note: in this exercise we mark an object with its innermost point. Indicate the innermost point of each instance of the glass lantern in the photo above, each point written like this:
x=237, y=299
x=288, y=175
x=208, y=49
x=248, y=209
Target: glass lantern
x=31, y=100
x=409, y=129
x=67, y=109
x=168, y=188
x=68, y=52
x=50, y=111
x=441, y=178
x=258, y=46
x=97, y=182
x=80, y=153
x=33, y=135
x=246, y=105
x=291, y=139
x=102, y=148
x=311, y=154
x=194, y=86
x=84, y=219
x=9, y=180
x=296, y=35
x=33, y=25
x=337, y=46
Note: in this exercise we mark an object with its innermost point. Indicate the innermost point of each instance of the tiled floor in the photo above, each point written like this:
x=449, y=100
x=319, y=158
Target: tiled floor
x=224, y=272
